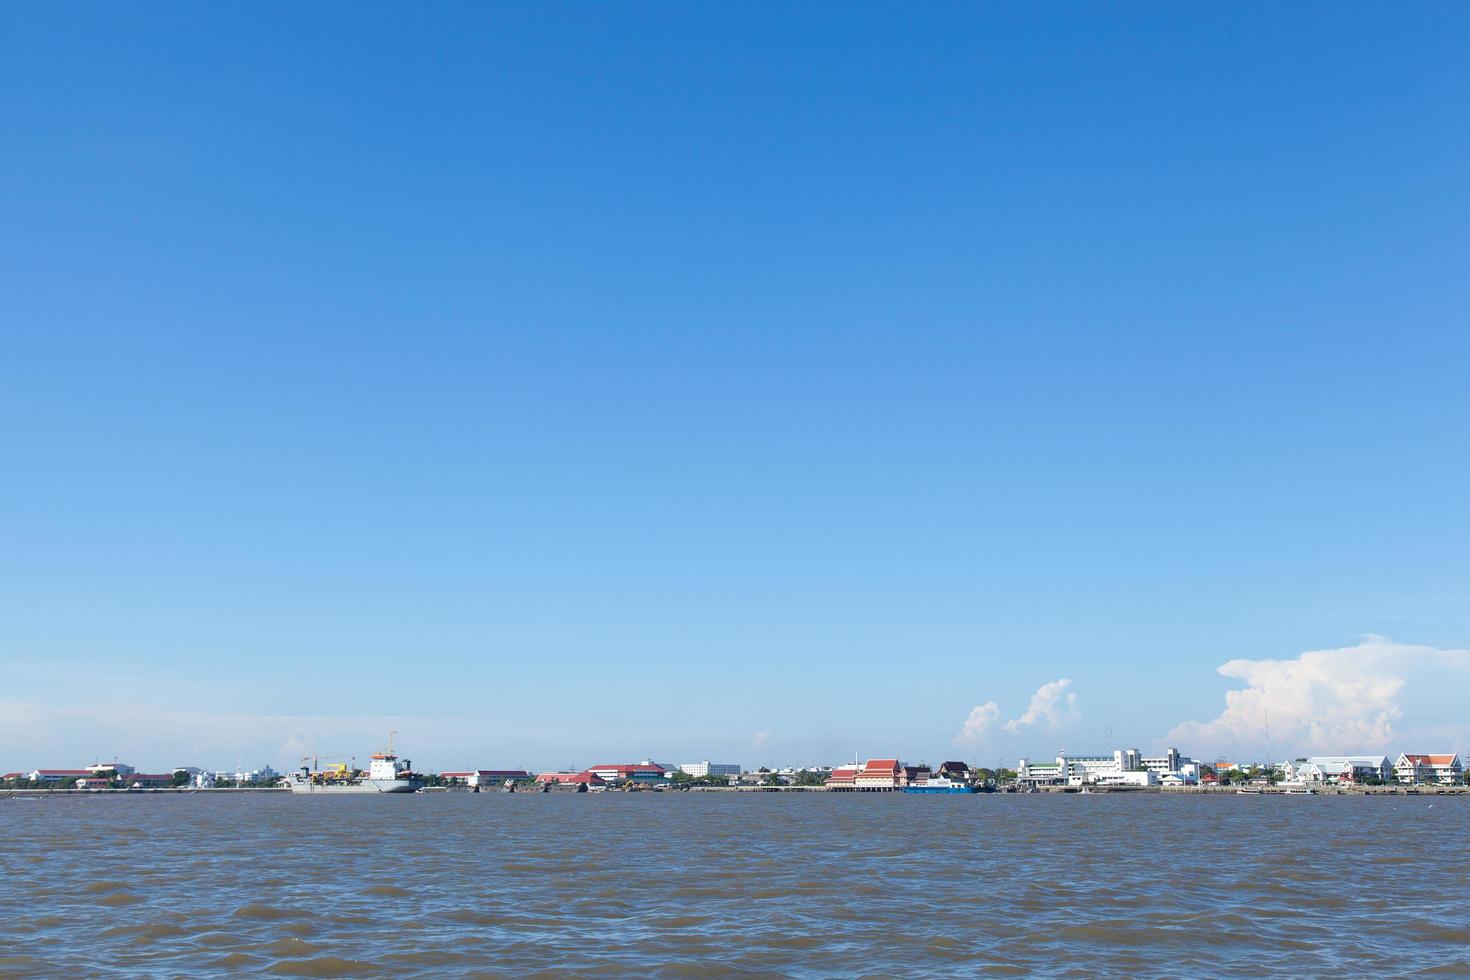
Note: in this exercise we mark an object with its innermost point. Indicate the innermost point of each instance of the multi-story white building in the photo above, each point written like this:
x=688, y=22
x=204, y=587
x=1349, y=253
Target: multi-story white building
x=1444, y=770
x=1125, y=767
x=1042, y=773
x=698, y=769
x=1077, y=770
x=1173, y=763
x=262, y=775
x=198, y=778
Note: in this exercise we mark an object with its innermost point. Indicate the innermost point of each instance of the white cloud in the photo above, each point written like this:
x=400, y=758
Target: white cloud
x=982, y=716
x=1052, y=703
x=761, y=740
x=1328, y=701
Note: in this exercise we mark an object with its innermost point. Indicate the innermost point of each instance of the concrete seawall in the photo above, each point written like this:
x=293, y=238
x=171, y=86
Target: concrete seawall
x=155, y=791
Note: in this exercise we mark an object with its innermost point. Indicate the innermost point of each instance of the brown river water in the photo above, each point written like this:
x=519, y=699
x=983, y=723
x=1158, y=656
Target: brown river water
x=758, y=884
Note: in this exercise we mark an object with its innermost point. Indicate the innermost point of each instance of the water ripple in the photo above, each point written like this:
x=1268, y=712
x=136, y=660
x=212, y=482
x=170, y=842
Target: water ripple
x=748, y=885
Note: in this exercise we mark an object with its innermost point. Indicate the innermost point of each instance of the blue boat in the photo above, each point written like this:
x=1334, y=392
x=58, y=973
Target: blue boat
x=940, y=785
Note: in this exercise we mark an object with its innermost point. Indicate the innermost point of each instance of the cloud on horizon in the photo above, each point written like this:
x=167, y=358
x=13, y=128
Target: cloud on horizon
x=1328, y=701
x=977, y=726
x=1052, y=703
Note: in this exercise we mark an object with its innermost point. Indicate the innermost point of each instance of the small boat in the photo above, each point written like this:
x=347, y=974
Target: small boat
x=1249, y=792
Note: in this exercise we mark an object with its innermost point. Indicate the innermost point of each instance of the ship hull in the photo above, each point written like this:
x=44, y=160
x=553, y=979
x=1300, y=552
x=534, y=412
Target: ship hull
x=361, y=786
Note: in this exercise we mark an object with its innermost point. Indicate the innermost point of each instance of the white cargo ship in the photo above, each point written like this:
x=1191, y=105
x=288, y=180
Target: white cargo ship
x=386, y=774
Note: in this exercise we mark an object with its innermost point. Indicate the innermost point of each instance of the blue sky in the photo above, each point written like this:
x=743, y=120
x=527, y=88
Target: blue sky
x=555, y=382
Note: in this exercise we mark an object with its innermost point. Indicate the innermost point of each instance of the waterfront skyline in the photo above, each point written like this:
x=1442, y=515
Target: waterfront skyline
x=978, y=385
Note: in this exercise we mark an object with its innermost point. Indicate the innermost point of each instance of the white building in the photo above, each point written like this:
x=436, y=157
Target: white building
x=198, y=778
x=1077, y=770
x=1135, y=777
x=698, y=769
x=1173, y=763
x=1345, y=768
x=486, y=777
x=1444, y=770
x=262, y=775
x=1125, y=767
x=1041, y=773
x=121, y=768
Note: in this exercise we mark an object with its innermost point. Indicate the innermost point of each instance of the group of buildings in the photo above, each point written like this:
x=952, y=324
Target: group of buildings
x=1128, y=767
x=1444, y=769
x=645, y=773
x=891, y=774
x=120, y=775
x=1122, y=768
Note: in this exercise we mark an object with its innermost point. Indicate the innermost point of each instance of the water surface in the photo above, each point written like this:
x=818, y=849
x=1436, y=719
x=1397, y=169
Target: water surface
x=689, y=884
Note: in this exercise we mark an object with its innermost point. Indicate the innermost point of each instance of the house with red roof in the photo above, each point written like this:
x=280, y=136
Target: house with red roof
x=880, y=774
x=1441, y=770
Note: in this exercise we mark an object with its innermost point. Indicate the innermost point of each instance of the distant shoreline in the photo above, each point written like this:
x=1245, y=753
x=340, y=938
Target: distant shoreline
x=1040, y=791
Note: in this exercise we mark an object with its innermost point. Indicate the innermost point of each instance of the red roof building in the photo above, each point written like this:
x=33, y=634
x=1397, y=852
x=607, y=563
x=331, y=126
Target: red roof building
x=880, y=774
x=875, y=774
x=1443, y=769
